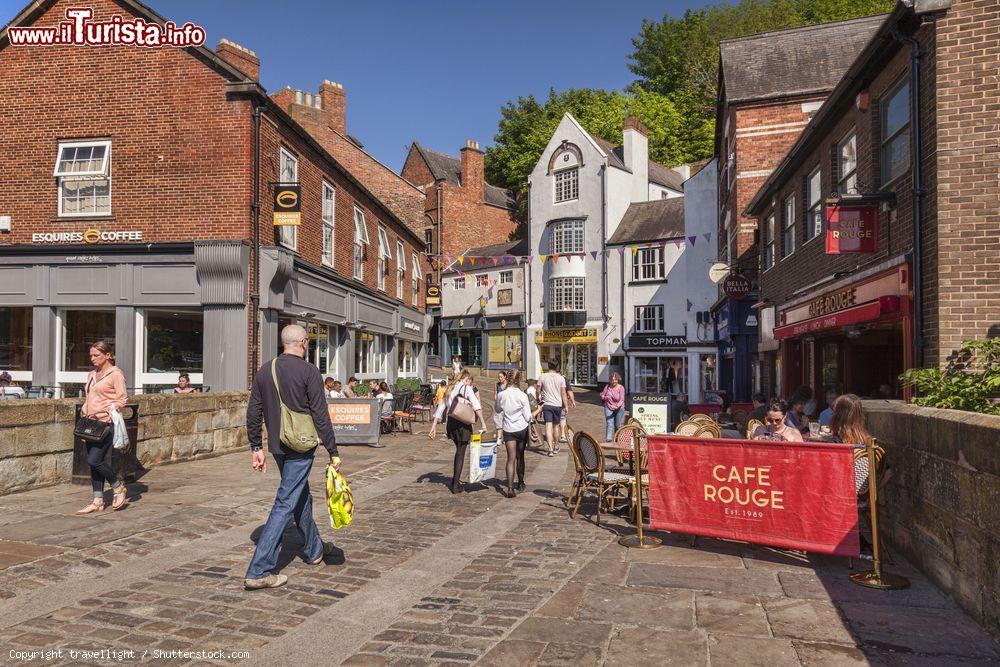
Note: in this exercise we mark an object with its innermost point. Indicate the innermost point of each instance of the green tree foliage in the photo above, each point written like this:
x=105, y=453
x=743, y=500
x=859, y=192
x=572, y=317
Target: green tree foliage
x=970, y=381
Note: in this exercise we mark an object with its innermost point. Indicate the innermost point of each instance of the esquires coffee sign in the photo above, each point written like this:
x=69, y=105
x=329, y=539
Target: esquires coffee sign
x=831, y=303
x=287, y=204
x=88, y=236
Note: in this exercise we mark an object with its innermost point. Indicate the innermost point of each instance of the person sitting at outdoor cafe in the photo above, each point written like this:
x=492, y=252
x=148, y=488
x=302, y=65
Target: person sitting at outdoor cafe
x=374, y=388
x=328, y=387
x=759, y=407
x=381, y=392
x=679, y=407
x=336, y=390
x=775, y=425
x=352, y=382
x=797, y=416
x=183, y=384
x=848, y=424
x=827, y=415
x=7, y=387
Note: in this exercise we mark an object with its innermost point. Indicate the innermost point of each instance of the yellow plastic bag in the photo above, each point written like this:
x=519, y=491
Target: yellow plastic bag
x=339, y=500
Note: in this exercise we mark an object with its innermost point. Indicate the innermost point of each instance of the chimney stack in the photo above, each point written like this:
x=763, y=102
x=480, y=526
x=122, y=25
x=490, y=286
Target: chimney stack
x=334, y=104
x=472, y=170
x=239, y=57
x=635, y=155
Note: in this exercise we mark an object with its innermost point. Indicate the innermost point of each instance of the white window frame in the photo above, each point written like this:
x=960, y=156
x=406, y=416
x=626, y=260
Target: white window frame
x=768, y=255
x=374, y=363
x=814, y=214
x=788, y=226
x=142, y=378
x=103, y=173
x=844, y=178
x=68, y=377
x=651, y=313
x=329, y=214
x=360, y=241
x=648, y=264
x=407, y=370
x=567, y=295
x=886, y=140
x=416, y=276
x=400, y=269
x=482, y=280
x=567, y=236
x=384, y=254
x=506, y=278
x=459, y=282
x=21, y=376
x=288, y=235
x=566, y=183
x=429, y=241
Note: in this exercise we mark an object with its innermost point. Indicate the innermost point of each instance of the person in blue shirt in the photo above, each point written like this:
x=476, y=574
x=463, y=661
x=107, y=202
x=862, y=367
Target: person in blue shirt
x=827, y=415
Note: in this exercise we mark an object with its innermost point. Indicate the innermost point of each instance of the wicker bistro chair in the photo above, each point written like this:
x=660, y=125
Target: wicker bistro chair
x=404, y=414
x=578, y=477
x=862, y=478
x=752, y=426
x=702, y=418
x=609, y=486
x=706, y=431
x=687, y=428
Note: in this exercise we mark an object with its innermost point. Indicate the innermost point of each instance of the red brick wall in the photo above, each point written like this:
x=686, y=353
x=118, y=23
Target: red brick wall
x=968, y=133
x=415, y=169
x=181, y=152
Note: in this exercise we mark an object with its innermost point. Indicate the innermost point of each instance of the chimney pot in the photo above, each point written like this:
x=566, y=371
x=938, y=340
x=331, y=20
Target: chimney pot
x=333, y=101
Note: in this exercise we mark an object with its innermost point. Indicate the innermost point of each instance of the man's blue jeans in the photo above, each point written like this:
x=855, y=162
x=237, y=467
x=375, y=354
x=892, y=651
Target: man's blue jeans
x=293, y=501
x=613, y=422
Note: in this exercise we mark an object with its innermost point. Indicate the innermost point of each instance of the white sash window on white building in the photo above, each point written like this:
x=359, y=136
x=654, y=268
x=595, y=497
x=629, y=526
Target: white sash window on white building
x=83, y=172
x=647, y=264
x=506, y=277
x=566, y=236
x=649, y=319
x=567, y=184
x=566, y=294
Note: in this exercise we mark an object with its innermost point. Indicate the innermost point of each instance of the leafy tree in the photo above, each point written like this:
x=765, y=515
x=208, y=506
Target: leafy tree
x=970, y=381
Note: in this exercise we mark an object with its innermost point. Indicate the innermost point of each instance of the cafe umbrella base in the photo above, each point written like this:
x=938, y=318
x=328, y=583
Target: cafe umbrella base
x=638, y=541
x=883, y=581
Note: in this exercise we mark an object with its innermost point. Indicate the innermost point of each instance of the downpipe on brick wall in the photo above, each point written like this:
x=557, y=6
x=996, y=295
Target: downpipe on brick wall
x=255, y=216
x=918, y=192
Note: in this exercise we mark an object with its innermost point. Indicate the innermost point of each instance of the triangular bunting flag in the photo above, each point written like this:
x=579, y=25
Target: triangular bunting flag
x=528, y=258
x=541, y=258
x=707, y=237
x=461, y=260
x=635, y=250
x=678, y=242
x=593, y=254
x=621, y=250
x=472, y=260
x=692, y=239
x=495, y=260
x=555, y=258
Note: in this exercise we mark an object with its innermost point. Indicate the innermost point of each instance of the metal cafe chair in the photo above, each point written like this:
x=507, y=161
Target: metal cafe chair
x=607, y=485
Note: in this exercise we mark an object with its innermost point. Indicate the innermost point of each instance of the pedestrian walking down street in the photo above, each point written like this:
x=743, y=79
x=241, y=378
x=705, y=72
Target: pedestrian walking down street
x=460, y=399
x=515, y=415
x=613, y=398
x=105, y=391
x=497, y=417
x=554, y=401
x=300, y=390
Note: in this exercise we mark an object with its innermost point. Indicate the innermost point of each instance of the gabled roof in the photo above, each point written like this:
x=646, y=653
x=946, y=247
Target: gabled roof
x=796, y=61
x=448, y=168
x=648, y=221
x=658, y=174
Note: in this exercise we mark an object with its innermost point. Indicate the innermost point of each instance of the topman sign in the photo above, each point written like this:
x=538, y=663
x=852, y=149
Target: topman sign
x=88, y=236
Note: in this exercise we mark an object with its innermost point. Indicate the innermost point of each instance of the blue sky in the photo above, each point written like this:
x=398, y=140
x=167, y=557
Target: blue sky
x=434, y=71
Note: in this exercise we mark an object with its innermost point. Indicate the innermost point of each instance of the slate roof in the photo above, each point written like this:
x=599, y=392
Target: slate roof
x=449, y=169
x=657, y=172
x=797, y=61
x=647, y=221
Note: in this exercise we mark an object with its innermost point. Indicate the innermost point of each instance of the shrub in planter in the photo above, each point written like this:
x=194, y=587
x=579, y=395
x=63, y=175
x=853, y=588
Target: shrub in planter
x=970, y=381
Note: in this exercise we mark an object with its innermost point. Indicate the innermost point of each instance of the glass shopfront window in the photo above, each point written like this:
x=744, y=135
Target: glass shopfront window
x=15, y=342
x=169, y=342
x=370, y=355
x=408, y=354
x=78, y=330
x=660, y=375
x=708, y=372
x=577, y=361
x=323, y=344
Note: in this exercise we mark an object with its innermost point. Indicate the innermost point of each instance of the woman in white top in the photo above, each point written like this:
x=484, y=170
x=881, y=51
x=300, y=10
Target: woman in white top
x=515, y=411
x=460, y=392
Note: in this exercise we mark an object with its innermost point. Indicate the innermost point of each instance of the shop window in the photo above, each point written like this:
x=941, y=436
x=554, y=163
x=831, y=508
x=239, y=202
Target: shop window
x=81, y=329
x=15, y=342
x=788, y=233
x=328, y=208
x=288, y=173
x=169, y=342
x=360, y=242
x=660, y=375
x=566, y=236
x=416, y=275
x=506, y=277
x=649, y=319
x=384, y=254
x=895, y=120
x=708, y=369
x=83, y=177
x=409, y=352
x=567, y=184
x=768, y=255
x=814, y=214
x=847, y=165
x=400, y=270
x=647, y=264
x=370, y=355
x=505, y=349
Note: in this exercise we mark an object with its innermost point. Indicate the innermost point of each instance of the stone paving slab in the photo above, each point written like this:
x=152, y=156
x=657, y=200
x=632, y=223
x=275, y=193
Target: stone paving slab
x=434, y=578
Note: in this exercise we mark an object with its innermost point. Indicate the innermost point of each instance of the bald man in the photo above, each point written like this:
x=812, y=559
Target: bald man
x=301, y=386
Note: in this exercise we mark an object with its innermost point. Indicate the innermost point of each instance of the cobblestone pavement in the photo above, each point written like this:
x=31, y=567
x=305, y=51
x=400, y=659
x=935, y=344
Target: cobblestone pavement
x=431, y=577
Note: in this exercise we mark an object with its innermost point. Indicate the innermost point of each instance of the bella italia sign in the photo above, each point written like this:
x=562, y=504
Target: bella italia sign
x=88, y=236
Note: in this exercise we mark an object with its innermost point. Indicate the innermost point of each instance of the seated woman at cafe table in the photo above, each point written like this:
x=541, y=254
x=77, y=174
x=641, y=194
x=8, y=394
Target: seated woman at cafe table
x=775, y=427
x=848, y=425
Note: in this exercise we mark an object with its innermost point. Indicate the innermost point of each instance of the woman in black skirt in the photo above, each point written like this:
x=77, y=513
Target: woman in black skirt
x=461, y=392
x=513, y=408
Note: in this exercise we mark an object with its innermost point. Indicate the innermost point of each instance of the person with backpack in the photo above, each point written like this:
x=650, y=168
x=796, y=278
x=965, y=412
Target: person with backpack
x=459, y=410
x=288, y=397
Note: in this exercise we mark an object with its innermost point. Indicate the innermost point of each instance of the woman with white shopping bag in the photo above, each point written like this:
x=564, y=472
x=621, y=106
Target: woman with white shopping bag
x=105, y=389
x=461, y=407
x=512, y=404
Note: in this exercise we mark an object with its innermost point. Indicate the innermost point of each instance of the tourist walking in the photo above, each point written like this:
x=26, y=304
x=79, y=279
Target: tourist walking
x=775, y=425
x=613, y=398
x=290, y=382
x=497, y=417
x=105, y=391
x=459, y=411
x=553, y=388
x=456, y=366
x=515, y=417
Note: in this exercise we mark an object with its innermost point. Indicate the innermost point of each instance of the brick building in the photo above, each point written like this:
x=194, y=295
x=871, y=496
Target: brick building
x=880, y=224
x=133, y=181
x=461, y=209
x=770, y=85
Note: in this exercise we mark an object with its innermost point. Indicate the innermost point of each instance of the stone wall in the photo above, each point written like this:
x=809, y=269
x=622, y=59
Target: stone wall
x=36, y=436
x=939, y=507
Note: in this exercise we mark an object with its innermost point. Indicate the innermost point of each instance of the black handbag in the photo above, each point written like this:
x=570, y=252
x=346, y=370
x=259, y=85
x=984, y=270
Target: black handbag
x=91, y=430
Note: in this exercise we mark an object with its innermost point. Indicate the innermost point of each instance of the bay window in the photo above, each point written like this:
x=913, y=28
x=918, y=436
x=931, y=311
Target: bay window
x=566, y=294
x=566, y=236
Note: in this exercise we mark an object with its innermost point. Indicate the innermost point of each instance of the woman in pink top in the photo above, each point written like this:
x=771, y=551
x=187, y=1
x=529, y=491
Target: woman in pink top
x=105, y=390
x=613, y=398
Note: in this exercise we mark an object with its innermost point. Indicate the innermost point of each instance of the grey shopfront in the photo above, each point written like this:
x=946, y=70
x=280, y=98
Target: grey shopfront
x=494, y=342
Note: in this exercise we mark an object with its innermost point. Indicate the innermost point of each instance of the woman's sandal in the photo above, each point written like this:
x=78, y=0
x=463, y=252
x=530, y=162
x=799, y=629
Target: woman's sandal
x=120, y=497
x=95, y=506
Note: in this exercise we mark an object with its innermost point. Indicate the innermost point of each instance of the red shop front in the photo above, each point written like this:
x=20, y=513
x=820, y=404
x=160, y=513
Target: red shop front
x=853, y=338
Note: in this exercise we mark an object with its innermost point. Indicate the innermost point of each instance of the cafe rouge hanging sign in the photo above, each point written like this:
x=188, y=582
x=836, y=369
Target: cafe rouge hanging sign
x=851, y=228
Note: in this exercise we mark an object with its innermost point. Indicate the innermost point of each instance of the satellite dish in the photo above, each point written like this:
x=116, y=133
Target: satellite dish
x=718, y=272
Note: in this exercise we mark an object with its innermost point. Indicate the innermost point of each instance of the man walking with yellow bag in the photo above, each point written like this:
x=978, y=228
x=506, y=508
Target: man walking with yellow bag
x=287, y=395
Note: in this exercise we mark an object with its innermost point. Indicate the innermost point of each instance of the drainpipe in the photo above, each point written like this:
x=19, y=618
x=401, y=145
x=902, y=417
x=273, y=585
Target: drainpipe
x=255, y=270
x=440, y=264
x=604, y=256
x=918, y=191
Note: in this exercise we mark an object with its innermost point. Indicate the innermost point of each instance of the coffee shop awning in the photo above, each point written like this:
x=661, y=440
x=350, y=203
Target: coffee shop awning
x=866, y=312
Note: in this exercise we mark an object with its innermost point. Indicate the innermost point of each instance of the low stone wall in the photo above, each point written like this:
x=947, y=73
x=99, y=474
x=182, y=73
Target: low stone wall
x=941, y=505
x=36, y=436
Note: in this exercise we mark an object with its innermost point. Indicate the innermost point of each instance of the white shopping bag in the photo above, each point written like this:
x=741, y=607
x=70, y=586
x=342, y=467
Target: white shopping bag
x=120, y=432
x=482, y=459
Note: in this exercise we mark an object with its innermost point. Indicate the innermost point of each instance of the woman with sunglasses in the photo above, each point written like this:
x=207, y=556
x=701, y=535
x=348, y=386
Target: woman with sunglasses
x=775, y=427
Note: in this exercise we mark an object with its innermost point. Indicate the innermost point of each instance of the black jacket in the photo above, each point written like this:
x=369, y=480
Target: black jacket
x=301, y=390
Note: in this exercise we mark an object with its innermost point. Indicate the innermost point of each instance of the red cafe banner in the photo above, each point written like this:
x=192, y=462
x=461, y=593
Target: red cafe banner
x=792, y=495
x=851, y=228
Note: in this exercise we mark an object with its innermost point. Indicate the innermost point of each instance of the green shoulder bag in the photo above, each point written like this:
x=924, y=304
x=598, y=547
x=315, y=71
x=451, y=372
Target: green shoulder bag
x=298, y=432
